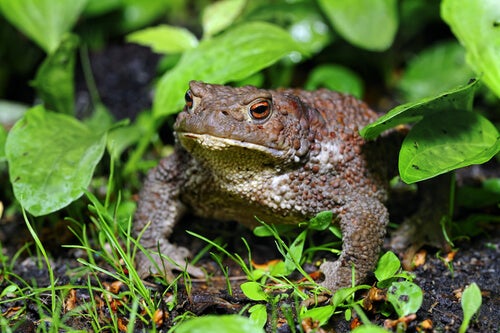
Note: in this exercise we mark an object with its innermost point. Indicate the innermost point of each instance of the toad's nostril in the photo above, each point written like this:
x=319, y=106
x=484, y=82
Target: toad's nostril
x=225, y=113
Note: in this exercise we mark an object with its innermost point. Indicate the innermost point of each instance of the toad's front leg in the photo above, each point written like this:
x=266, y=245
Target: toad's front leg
x=363, y=222
x=158, y=211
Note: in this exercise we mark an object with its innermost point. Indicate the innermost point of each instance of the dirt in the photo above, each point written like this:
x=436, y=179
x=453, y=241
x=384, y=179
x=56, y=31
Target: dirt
x=477, y=259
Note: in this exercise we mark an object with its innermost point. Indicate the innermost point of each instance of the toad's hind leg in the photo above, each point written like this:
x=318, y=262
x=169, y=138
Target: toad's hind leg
x=363, y=223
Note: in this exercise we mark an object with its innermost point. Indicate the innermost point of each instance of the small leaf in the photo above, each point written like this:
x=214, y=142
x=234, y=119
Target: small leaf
x=294, y=254
x=337, y=78
x=54, y=79
x=253, y=290
x=369, y=24
x=446, y=141
x=51, y=159
x=221, y=14
x=258, y=313
x=258, y=46
x=459, y=98
x=321, y=221
x=219, y=324
x=387, y=266
x=321, y=314
x=406, y=297
x=164, y=39
x=476, y=24
x=44, y=21
x=471, y=302
x=370, y=328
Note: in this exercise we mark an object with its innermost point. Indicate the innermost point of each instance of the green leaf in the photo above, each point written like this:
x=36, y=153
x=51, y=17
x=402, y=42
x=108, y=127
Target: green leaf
x=219, y=324
x=258, y=313
x=471, y=302
x=259, y=45
x=164, y=39
x=295, y=251
x=370, y=328
x=476, y=24
x=459, y=98
x=368, y=24
x=321, y=314
x=387, y=266
x=51, y=159
x=406, y=297
x=44, y=21
x=220, y=15
x=138, y=14
x=321, y=221
x=54, y=78
x=446, y=141
x=434, y=70
x=336, y=78
x=253, y=290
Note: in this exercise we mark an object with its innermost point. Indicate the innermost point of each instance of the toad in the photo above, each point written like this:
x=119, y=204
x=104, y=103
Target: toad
x=279, y=155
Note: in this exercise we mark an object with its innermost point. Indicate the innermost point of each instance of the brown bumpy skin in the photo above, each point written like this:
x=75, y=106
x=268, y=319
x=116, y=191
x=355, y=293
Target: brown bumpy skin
x=280, y=155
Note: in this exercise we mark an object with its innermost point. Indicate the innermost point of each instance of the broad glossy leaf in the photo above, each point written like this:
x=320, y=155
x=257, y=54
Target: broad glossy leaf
x=471, y=302
x=445, y=141
x=455, y=99
x=476, y=24
x=434, y=70
x=231, y=56
x=219, y=324
x=368, y=24
x=253, y=290
x=219, y=15
x=54, y=78
x=51, y=159
x=164, y=39
x=44, y=21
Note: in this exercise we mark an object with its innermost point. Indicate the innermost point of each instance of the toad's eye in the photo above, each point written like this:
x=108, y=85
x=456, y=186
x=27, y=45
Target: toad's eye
x=260, y=110
x=189, y=99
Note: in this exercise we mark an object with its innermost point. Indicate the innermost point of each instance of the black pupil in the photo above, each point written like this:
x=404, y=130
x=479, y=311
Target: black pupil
x=188, y=98
x=260, y=109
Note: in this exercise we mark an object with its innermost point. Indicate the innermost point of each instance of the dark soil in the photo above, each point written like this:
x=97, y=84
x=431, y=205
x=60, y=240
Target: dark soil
x=122, y=81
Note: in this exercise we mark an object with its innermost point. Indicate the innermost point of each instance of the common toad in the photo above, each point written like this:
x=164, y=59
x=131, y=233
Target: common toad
x=281, y=155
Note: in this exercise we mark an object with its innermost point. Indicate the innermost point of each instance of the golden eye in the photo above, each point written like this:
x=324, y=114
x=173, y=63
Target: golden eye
x=189, y=99
x=260, y=110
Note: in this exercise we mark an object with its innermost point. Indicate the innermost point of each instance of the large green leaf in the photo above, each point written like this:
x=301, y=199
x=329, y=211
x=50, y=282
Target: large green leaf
x=164, y=39
x=231, y=56
x=434, y=70
x=44, y=21
x=476, y=24
x=54, y=79
x=369, y=24
x=51, y=159
x=445, y=141
x=459, y=98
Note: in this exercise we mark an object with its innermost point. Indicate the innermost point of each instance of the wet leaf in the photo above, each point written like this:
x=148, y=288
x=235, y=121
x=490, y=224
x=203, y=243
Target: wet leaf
x=368, y=24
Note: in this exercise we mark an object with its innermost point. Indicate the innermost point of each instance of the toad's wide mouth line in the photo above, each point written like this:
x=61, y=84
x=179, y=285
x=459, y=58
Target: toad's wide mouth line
x=212, y=142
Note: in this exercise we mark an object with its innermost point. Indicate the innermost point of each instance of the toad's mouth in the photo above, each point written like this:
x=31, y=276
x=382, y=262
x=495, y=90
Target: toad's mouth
x=215, y=143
